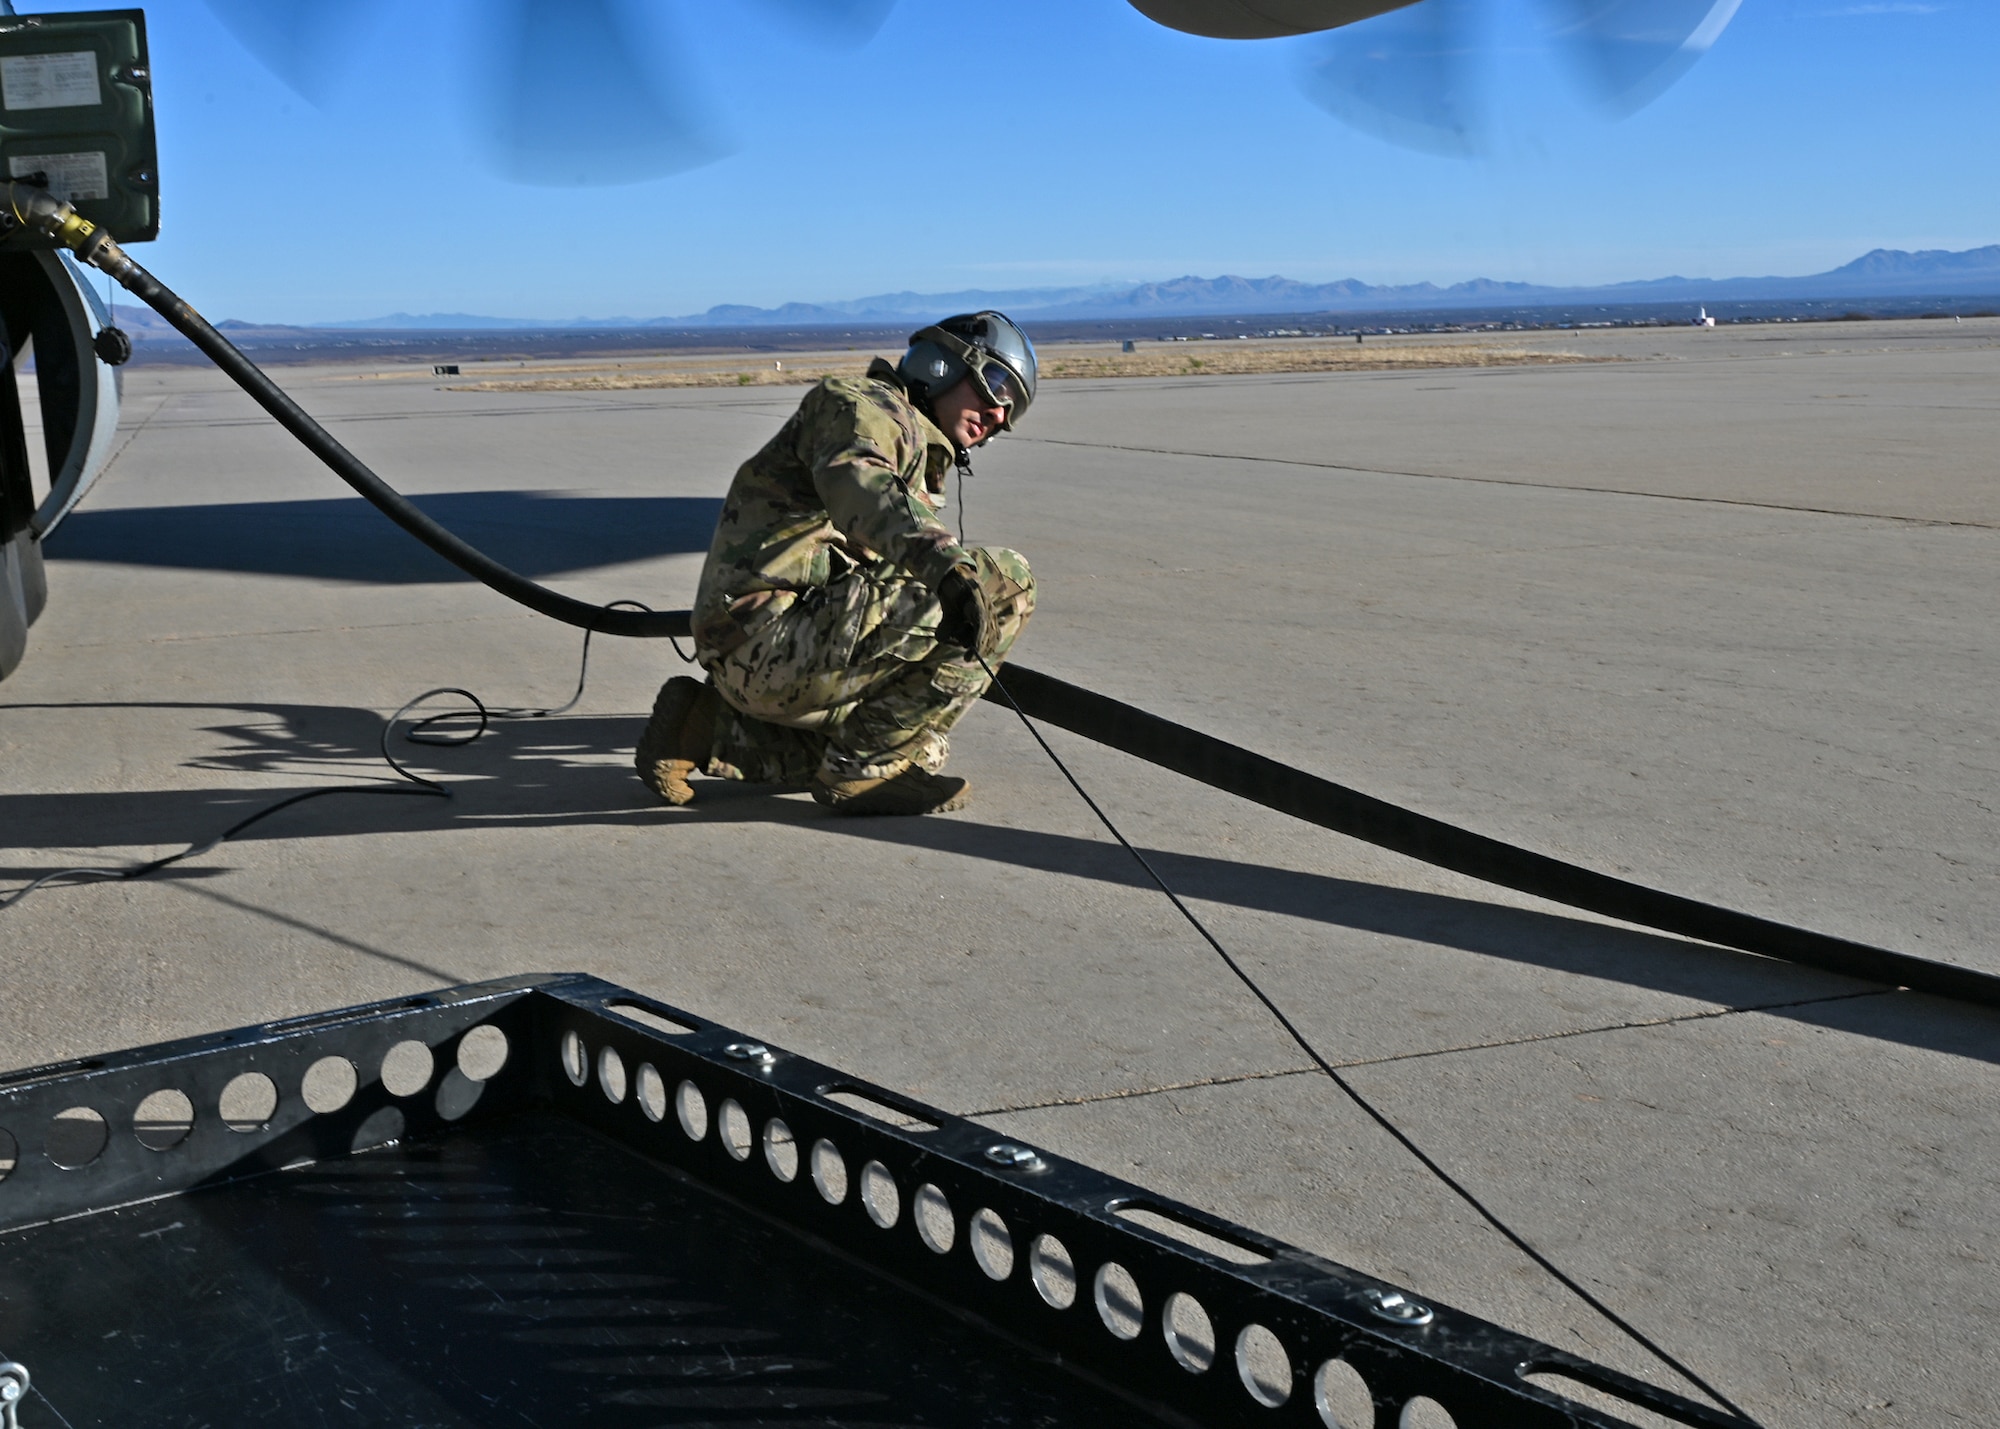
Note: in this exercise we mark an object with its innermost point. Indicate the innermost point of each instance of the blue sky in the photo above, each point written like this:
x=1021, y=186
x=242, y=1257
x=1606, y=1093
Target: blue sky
x=1053, y=142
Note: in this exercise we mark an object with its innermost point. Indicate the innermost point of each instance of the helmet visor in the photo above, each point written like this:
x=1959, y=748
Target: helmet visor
x=999, y=387
x=1009, y=348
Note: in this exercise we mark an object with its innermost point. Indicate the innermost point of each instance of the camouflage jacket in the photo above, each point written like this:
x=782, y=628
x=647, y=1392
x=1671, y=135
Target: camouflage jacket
x=854, y=479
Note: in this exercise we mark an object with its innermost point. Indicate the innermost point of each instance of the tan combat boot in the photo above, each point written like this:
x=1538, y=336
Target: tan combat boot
x=912, y=792
x=677, y=739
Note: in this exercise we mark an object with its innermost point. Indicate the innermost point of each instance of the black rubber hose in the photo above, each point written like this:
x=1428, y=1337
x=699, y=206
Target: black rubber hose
x=652, y=624
x=1333, y=806
x=1171, y=746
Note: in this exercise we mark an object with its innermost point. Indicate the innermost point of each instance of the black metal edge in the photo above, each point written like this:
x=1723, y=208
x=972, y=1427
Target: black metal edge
x=114, y=1085
x=1318, y=1310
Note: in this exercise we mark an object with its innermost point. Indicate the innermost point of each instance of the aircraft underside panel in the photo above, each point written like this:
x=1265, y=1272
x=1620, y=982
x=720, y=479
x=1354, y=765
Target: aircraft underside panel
x=45, y=300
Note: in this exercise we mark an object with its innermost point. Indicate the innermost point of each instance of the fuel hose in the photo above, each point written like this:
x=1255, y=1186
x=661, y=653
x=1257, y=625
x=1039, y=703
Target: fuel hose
x=38, y=209
x=1097, y=717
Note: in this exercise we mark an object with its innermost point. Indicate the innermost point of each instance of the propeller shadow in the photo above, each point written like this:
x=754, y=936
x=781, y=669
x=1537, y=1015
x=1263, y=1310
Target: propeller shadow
x=539, y=533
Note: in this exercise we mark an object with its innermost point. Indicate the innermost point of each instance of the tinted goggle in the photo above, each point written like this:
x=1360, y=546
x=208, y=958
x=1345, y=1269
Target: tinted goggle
x=998, y=386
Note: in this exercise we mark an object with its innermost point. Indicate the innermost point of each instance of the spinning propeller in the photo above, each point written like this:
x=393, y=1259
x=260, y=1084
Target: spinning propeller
x=1411, y=73
x=596, y=91
x=565, y=92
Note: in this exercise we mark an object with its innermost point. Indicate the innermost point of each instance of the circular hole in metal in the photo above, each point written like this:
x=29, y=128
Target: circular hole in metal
x=457, y=1095
x=1425, y=1413
x=1119, y=1304
x=1342, y=1398
x=932, y=1213
x=781, y=1151
x=992, y=1245
x=1190, y=1333
x=1053, y=1271
x=383, y=1127
x=77, y=1137
x=691, y=1107
x=329, y=1084
x=829, y=1172
x=652, y=1089
x=10, y=1153
x=611, y=1075
x=1263, y=1365
x=879, y=1196
x=163, y=1119
x=575, y=1061
x=407, y=1068
x=734, y=1123
x=248, y=1102
x=482, y=1052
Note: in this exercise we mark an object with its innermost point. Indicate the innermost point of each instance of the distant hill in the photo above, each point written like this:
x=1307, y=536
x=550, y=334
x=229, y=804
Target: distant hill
x=1883, y=273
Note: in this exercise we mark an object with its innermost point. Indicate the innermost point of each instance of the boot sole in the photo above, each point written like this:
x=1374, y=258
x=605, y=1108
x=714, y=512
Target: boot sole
x=868, y=806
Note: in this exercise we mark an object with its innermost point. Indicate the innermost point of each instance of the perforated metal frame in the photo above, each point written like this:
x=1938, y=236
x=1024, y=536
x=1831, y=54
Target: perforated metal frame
x=575, y=1041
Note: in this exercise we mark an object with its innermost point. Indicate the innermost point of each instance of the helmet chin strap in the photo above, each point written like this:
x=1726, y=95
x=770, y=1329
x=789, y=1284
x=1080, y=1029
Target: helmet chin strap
x=962, y=460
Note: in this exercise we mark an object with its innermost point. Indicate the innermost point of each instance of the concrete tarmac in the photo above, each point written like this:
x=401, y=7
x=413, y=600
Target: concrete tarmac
x=1718, y=616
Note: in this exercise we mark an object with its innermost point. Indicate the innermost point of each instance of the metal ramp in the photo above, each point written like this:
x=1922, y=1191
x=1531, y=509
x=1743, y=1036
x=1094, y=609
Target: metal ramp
x=549, y=1201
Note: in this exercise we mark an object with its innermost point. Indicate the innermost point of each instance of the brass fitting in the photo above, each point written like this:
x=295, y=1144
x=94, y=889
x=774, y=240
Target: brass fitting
x=40, y=210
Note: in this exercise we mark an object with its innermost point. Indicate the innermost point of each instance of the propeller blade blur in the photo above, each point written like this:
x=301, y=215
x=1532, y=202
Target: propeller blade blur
x=579, y=93
x=840, y=22
x=1631, y=51
x=1408, y=77
x=1260, y=19
x=309, y=44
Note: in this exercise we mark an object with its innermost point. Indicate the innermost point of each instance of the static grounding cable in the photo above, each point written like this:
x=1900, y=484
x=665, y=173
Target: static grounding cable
x=1134, y=731
x=1120, y=726
x=427, y=730
x=1352, y=1093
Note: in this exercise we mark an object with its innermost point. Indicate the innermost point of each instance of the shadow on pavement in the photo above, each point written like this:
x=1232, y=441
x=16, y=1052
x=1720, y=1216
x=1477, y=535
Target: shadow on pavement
x=572, y=770
x=539, y=533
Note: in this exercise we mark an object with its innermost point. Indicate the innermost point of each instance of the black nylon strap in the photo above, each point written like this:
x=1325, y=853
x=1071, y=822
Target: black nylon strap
x=1348, y=811
x=1171, y=746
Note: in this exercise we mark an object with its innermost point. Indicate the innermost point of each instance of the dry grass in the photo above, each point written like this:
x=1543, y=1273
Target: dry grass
x=629, y=381
x=1156, y=359
x=1163, y=359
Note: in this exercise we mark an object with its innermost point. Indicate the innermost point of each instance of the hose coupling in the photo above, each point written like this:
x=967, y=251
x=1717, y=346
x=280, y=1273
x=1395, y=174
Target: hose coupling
x=36, y=208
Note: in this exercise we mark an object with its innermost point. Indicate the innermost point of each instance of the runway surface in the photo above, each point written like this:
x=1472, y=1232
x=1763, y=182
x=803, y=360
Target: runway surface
x=1720, y=617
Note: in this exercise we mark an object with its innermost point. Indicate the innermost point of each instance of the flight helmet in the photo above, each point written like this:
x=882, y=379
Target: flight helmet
x=987, y=347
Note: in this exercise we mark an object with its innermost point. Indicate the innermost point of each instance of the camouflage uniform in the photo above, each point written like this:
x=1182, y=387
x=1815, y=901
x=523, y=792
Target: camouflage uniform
x=816, y=618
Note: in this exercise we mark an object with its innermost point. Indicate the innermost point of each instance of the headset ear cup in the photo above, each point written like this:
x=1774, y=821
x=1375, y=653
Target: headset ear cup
x=930, y=368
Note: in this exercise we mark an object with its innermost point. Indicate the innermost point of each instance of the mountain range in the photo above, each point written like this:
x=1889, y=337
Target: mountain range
x=1883, y=273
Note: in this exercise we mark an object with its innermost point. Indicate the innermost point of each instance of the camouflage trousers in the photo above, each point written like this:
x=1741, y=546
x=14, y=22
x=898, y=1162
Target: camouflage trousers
x=850, y=678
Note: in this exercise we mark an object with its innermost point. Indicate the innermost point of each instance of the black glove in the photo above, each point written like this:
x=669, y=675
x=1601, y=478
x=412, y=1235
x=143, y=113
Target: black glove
x=969, y=618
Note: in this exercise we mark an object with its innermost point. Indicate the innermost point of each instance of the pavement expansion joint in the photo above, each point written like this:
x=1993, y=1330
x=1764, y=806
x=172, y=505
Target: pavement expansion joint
x=315, y=930
x=1518, y=482
x=1276, y=1073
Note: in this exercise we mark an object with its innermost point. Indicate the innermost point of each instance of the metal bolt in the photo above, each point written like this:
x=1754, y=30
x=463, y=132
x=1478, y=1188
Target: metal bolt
x=1014, y=1156
x=13, y=1386
x=751, y=1052
x=1398, y=1308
